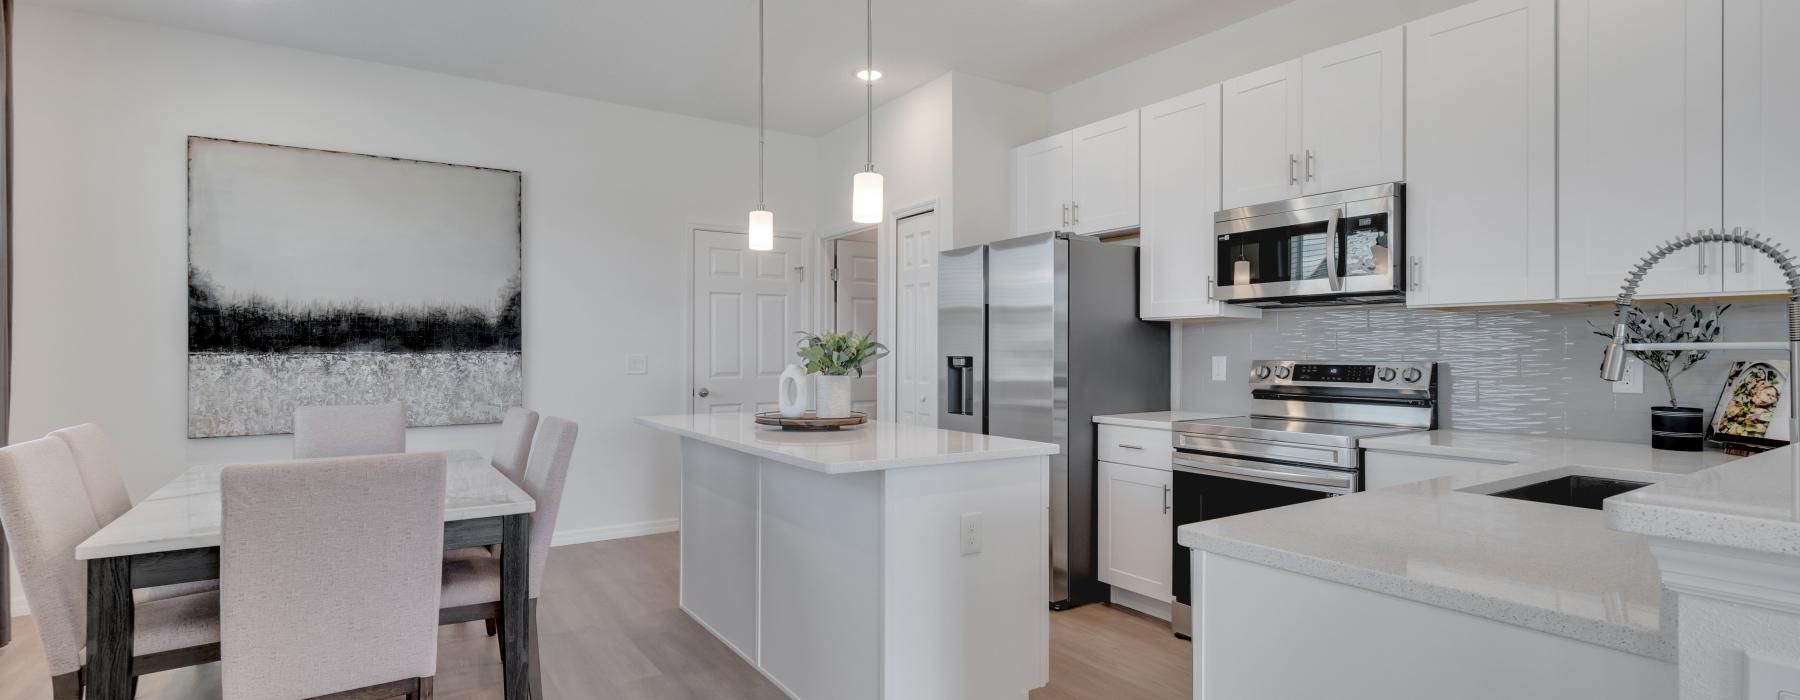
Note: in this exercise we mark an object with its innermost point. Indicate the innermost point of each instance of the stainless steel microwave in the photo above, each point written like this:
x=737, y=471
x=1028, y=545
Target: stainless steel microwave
x=1330, y=248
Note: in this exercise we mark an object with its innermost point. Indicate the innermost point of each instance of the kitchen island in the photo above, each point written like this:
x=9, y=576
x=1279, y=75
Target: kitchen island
x=883, y=561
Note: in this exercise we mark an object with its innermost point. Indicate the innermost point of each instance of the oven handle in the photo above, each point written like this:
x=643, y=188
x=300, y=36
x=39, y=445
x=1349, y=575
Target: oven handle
x=1262, y=472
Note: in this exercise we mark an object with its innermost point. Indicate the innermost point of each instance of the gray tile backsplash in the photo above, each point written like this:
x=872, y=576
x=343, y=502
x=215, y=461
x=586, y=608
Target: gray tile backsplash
x=1534, y=371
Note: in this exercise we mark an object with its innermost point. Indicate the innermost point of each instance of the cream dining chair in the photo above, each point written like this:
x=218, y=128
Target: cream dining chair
x=512, y=446
x=330, y=573
x=46, y=513
x=349, y=431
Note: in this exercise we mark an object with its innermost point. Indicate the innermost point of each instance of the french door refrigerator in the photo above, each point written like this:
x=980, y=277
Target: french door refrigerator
x=1036, y=336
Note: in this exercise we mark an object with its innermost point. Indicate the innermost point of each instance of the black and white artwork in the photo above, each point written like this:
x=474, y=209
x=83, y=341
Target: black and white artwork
x=324, y=278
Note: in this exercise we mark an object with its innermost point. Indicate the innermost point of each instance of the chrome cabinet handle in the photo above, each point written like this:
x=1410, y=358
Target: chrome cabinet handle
x=1131, y=447
x=1065, y=214
x=1165, y=499
x=1737, y=250
x=1075, y=210
x=703, y=392
x=1414, y=272
x=1331, y=251
x=1309, y=165
x=1212, y=289
x=1293, y=163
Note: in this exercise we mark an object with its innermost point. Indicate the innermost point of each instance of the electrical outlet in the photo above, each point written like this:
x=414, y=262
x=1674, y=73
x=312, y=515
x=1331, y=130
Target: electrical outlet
x=1218, y=373
x=637, y=364
x=1633, y=383
x=971, y=534
x=1770, y=678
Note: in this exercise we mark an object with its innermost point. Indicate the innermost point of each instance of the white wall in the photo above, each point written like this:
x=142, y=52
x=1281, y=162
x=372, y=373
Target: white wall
x=988, y=119
x=1278, y=35
x=103, y=110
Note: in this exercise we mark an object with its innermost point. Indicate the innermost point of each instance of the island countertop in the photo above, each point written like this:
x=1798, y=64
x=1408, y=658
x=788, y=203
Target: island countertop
x=874, y=446
x=1753, y=504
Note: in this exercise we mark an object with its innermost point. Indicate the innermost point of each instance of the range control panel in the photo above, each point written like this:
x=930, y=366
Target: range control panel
x=1409, y=375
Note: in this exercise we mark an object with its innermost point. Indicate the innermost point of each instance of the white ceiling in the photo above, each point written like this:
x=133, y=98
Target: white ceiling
x=698, y=57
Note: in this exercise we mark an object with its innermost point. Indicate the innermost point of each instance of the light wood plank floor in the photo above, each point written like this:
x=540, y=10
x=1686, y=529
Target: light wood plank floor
x=610, y=629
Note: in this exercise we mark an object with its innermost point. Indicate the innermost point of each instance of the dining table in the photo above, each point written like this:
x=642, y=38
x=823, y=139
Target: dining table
x=173, y=537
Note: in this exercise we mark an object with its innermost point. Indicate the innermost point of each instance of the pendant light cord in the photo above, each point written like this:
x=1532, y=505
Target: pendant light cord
x=760, y=132
x=869, y=85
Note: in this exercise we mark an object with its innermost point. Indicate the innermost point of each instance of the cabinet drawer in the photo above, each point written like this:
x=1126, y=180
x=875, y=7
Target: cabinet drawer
x=1140, y=447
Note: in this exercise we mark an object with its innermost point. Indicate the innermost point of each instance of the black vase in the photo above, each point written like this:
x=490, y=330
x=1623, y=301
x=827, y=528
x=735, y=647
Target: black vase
x=1678, y=428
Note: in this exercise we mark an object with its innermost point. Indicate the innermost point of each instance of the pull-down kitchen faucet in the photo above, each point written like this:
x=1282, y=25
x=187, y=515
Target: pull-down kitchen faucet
x=1612, y=368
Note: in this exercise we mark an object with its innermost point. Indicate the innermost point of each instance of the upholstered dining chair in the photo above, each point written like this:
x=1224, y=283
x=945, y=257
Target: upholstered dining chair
x=98, y=465
x=349, y=431
x=46, y=514
x=512, y=446
x=472, y=584
x=330, y=572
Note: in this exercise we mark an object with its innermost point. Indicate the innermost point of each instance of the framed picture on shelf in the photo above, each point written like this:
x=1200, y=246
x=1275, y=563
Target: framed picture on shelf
x=1752, y=413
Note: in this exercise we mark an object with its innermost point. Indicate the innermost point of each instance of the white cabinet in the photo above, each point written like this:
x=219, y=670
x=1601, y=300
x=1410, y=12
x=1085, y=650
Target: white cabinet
x=1180, y=185
x=1353, y=122
x=1043, y=184
x=1106, y=175
x=1762, y=143
x=1481, y=221
x=1641, y=145
x=1136, y=528
x=1262, y=136
x=1081, y=181
x=1384, y=469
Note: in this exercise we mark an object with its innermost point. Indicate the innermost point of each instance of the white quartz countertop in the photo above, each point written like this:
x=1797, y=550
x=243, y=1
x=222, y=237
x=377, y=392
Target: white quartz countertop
x=873, y=446
x=1505, y=448
x=1752, y=503
x=1554, y=569
x=1158, y=420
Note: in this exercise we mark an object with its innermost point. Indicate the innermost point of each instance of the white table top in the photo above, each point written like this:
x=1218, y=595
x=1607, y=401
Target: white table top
x=1753, y=503
x=184, y=513
x=873, y=446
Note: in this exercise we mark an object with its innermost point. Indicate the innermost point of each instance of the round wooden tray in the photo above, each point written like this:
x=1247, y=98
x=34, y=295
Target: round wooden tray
x=810, y=421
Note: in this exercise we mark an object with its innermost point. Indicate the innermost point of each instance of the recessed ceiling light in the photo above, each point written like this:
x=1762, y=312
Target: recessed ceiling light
x=865, y=75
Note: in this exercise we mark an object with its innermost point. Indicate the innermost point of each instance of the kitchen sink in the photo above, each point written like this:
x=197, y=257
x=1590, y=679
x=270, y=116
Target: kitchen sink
x=1576, y=490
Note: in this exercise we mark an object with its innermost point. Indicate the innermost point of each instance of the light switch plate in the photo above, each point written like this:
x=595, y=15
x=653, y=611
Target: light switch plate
x=1218, y=368
x=1633, y=383
x=971, y=534
x=637, y=364
x=1769, y=678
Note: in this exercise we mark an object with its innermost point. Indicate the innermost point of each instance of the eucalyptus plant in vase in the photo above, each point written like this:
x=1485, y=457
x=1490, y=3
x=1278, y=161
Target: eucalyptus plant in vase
x=1673, y=427
x=835, y=357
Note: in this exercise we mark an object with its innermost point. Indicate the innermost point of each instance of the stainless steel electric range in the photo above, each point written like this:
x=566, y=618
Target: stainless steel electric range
x=1299, y=443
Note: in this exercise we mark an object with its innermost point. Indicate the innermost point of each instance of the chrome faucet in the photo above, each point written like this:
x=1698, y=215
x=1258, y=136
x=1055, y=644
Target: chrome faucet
x=1612, y=368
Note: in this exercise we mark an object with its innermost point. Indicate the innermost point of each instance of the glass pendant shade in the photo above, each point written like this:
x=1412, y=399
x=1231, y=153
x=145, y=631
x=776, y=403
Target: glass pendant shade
x=762, y=230
x=865, y=198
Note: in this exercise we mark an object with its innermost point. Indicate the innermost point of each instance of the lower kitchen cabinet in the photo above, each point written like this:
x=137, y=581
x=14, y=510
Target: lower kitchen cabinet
x=1136, y=528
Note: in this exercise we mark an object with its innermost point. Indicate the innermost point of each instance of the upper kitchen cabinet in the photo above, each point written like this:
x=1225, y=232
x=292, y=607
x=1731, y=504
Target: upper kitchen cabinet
x=1180, y=195
x=1082, y=181
x=1043, y=184
x=1354, y=114
x=1762, y=144
x=1481, y=154
x=1262, y=136
x=1106, y=175
x=1641, y=143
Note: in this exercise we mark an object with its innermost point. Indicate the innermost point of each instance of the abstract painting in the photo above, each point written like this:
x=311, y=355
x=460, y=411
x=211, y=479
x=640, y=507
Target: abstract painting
x=324, y=278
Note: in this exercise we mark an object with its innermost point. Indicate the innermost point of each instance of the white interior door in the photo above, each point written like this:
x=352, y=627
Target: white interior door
x=854, y=275
x=1762, y=145
x=1354, y=105
x=1262, y=136
x=746, y=311
x=915, y=350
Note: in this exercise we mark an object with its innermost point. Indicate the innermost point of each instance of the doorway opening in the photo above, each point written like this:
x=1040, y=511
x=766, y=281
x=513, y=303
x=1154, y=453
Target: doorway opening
x=853, y=294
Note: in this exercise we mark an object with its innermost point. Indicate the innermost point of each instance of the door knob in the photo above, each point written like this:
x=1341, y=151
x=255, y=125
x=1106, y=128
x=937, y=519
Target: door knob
x=703, y=392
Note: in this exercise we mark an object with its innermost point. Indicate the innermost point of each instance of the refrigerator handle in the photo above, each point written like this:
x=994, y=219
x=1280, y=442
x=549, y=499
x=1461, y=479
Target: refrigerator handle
x=961, y=394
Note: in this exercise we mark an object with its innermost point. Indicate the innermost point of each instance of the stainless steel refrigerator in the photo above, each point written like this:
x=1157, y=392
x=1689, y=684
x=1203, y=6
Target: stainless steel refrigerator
x=1037, y=335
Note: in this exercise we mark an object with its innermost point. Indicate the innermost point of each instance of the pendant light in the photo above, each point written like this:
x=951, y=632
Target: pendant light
x=762, y=221
x=865, y=188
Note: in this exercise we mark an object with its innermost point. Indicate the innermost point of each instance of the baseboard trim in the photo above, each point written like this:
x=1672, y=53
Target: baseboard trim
x=614, y=532
x=19, y=608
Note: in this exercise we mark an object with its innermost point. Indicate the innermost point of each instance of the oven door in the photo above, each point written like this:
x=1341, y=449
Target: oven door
x=1311, y=247
x=1208, y=487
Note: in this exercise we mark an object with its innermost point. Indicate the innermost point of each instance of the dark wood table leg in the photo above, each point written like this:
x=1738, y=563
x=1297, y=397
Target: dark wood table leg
x=515, y=620
x=537, y=666
x=110, y=618
x=5, y=592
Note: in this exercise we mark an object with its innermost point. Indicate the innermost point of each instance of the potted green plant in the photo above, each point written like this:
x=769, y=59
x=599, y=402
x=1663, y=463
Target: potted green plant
x=834, y=357
x=1673, y=427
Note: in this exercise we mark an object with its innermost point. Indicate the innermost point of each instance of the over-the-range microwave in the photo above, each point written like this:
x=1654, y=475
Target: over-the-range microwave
x=1324, y=249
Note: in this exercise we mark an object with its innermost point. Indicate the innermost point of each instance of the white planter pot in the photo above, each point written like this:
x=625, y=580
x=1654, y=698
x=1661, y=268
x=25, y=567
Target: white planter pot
x=833, y=393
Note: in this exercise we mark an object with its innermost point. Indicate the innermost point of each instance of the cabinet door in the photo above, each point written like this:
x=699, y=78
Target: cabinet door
x=1136, y=529
x=1354, y=106
x=1106, y=175
x=1180, y=195
x=1262, y=136
x=1042, y=184
x=1762, y=143
x=1481, y=154
x=1641, y=147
